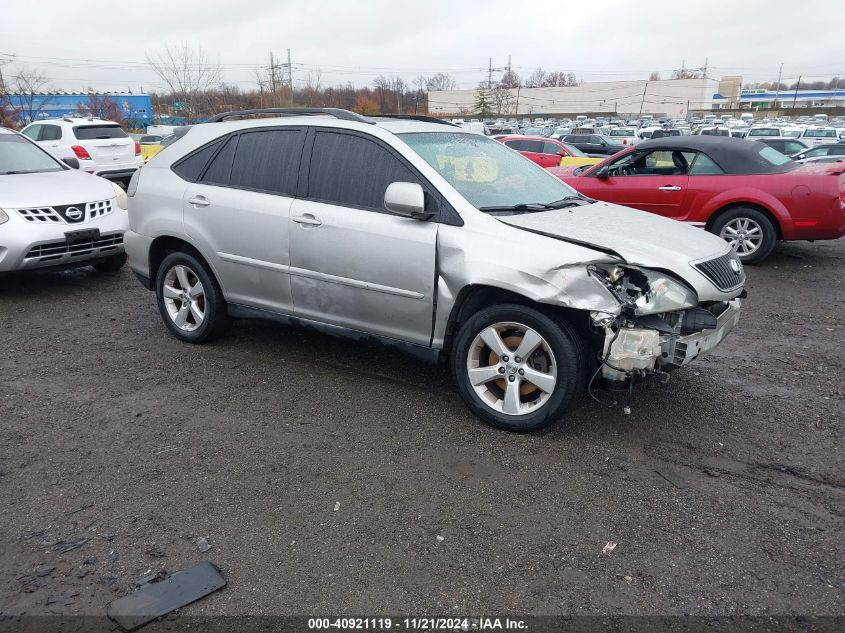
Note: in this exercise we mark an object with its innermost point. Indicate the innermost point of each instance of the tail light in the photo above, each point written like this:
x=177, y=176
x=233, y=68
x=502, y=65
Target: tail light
x=624, y=141
x=137, y=148
x=81, y=152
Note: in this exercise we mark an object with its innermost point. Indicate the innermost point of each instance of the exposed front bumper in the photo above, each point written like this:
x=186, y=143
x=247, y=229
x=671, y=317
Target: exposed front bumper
x=640, y=349
x=683, y=350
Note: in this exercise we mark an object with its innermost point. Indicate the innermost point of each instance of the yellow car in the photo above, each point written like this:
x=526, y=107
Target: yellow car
x=150, y=146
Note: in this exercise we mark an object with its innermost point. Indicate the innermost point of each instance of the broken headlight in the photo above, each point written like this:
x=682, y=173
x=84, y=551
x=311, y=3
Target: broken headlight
x=641, y=291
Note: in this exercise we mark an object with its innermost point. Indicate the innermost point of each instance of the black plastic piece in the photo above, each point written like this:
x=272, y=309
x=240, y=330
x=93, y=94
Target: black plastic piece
x=337, y=113
x=697, y=319
x=159, y=598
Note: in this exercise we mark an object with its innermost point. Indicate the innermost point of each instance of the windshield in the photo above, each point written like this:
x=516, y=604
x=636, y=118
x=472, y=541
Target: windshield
x=621, y=132
x=820, y=134
x=715, y=131
x=485, y=172
x=17, y=155
x=764, y=131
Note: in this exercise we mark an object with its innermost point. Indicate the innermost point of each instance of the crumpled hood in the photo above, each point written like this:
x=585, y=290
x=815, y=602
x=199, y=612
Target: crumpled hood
x=52, y=188
x=641, y=238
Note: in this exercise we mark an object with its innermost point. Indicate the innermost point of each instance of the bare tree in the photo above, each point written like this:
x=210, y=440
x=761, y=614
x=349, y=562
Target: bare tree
x=510, y=80
x=654, y=76
x=503, y=99
x=560, y=80
x=31, y=84
x=440, y=81
x=537, y=79
x=187, y=73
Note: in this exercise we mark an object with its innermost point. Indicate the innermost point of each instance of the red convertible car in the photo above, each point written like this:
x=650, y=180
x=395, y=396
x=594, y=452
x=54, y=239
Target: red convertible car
x=746, y=192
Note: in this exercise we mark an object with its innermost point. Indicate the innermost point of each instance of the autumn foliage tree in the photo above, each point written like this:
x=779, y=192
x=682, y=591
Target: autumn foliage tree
x=366, y=105
x=99, y=106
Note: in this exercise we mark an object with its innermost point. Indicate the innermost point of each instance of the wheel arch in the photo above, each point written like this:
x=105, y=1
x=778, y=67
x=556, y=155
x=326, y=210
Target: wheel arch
x=475, y=297
x=163, y=245
x=776, y=222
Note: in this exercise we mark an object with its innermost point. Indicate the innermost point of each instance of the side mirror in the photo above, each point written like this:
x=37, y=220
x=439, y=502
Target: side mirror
x=603, y=172
x=71, y=161
x=603, y=143
x=560, y=152
x=406, y=199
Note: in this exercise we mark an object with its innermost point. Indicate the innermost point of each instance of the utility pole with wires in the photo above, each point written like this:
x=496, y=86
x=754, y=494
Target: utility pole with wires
x=795, y=96
x=290, y=78
x=3, y=61
x=777, y=86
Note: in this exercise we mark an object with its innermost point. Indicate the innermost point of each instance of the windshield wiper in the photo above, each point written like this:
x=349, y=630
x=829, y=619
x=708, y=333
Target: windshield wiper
x=523, y=206
x=569, y=201
x=22, y=171
x=527, y=207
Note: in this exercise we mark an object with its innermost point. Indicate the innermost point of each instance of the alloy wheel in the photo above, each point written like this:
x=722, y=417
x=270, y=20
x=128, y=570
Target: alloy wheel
x=743, y=234
x=511, y=368
x=184, y=298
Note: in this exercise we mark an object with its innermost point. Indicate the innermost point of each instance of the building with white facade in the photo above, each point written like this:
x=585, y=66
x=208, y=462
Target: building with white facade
x=669, y=97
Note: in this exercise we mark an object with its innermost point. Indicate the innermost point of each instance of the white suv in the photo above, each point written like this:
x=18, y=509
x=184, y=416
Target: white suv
x=101, y=147
x=426, y=237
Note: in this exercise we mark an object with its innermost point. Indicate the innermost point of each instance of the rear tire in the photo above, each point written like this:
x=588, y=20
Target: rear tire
x=111, y=264
x=190, y=300
x=749, y=231
x=509, y=391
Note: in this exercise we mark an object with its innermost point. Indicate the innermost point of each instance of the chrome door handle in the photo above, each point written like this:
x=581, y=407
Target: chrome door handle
x=199, y=201
x=307, y=219
x=670, y=188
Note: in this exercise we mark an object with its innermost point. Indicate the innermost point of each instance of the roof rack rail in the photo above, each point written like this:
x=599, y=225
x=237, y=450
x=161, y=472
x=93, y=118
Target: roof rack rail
x=337, y=113
x=415, y=117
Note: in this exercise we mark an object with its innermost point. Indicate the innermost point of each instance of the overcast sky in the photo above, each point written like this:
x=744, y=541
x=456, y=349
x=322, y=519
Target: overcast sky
x=103, y=46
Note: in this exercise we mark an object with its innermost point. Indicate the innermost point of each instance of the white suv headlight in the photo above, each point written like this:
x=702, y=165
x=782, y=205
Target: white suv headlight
x=3, y=217
x=120, y=195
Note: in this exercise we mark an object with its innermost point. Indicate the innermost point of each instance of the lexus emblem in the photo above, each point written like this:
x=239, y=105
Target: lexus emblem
x=735, y=266
x=73, y=214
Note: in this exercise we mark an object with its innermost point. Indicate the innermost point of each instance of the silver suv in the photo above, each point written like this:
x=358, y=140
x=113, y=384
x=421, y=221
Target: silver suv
x=427, y=237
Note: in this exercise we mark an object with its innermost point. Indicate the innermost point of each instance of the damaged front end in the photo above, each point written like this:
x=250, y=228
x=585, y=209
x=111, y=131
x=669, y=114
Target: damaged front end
x=661, y=325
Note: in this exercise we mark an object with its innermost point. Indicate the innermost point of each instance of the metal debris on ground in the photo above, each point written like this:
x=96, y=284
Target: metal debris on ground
x=202, y=544
x=336, y=506
x=156, y=599
x=611, y=545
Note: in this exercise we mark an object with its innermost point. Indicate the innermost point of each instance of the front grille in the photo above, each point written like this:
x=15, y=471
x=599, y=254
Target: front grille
x=43, y=215
x=98, y=209
x=58, y=214
x=721, y=271
x=57, y=250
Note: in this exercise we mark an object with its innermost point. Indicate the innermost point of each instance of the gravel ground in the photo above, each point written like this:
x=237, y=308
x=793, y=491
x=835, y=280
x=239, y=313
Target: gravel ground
x=333, y=477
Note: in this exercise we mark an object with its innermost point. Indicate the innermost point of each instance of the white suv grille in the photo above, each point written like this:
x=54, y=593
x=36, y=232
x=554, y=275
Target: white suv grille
x=47, y=215
x=44, y=215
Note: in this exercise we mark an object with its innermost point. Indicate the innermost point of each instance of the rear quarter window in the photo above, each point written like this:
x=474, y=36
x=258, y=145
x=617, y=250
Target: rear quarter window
x=191, y=167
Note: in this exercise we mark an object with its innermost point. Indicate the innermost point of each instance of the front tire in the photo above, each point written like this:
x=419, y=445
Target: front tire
x=749, y=231
x=516, y=368
x=190, y=300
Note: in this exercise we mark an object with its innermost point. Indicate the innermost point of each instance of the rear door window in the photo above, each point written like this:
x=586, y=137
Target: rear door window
x=517, y=145
x=550, y=148
x=268, y=160
x=93, y=132
x=353, y=171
